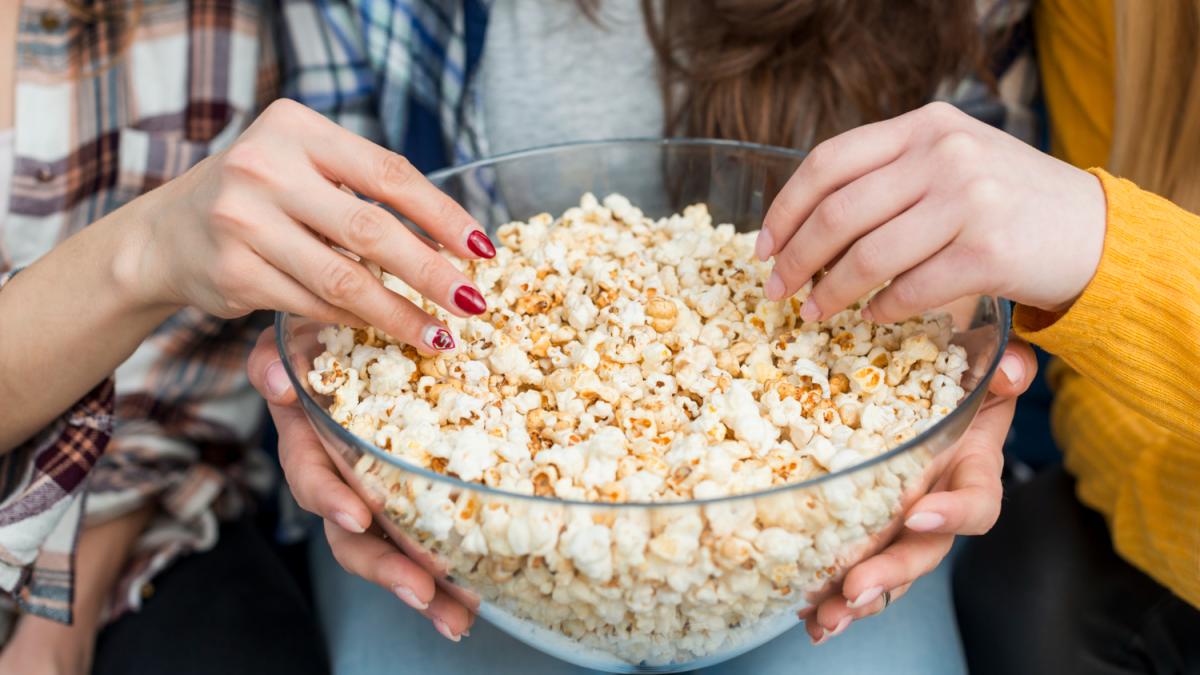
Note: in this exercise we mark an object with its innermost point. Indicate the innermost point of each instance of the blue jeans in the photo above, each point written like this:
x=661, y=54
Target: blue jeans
x=370, y=632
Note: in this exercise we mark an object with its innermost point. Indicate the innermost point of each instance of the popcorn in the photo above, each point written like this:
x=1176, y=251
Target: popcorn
x=626, y=359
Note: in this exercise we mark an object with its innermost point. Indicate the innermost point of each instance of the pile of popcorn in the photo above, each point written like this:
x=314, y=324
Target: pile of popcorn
x=626, y=359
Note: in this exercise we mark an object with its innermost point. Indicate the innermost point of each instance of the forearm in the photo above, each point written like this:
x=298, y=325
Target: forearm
x=70, y=319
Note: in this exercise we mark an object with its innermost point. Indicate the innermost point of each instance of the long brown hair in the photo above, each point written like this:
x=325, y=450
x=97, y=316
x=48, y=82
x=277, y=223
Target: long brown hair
x=1156, y=134
x=793, y=72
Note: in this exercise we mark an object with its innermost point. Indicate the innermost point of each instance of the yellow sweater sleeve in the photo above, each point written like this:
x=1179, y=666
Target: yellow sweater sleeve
x=1126, y=416
x=1135, y=330
x=1127, y=409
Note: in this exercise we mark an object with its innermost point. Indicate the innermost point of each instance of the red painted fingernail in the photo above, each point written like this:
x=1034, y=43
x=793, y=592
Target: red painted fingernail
x=439, y=338
x=469, y=300
x=480, y=245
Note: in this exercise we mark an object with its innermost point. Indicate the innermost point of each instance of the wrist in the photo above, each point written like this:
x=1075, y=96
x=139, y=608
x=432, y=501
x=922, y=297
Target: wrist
x=1083, y=260
x=138, y=270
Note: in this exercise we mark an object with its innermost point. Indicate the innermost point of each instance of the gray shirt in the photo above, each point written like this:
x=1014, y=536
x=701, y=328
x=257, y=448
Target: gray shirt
x=551, y=75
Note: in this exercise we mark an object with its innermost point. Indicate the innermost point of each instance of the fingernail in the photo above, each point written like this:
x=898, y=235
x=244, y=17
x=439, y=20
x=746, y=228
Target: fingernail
x=480, y=245
x=866, y=597
x=842, y=625
x=347, y=523
x=925, y=521
x=810, y=311
x=774, y=288
x=445, y=630
x=277, y=379
x=439, y=338
x=867, y=314
x=1012, y=368
x=764, y=244
x=469, y=300
x=405, y=593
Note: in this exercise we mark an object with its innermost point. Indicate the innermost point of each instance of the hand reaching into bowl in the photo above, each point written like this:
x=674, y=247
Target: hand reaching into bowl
x=965, y=501
x=943, y=205
x=251, y=227
x=318, y=488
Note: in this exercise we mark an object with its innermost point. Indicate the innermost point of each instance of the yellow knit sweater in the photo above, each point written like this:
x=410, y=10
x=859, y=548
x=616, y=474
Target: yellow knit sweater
x=1127, y=400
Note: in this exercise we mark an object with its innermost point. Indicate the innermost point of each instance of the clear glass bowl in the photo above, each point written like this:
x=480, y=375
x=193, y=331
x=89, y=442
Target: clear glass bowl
x=673, y=586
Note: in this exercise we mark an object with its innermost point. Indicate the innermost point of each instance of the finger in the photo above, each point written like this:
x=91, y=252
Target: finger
x=884, y=253
x=266, y=371
x=347, y=283
x=911, y=556
x=311, y=475
x=368, y=556
x=837, y=162
x=378, y=561
x=946, y=276
x=449, y=616
x=277, y=291
x=371, y=232
x=843, y=217
x=971, y=502
x=347, y=158
x=1017, y=369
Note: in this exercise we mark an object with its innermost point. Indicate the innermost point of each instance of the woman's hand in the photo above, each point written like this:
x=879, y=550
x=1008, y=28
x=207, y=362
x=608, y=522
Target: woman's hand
x=251, y=227
x=943, y=205
x=319, y=489
x=966, y=500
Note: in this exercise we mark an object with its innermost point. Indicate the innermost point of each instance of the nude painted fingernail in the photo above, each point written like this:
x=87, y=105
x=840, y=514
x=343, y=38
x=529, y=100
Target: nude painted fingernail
x=1012, y=368
x=469, y=300
x=347, y=523
x=925, y=521
x=480, y=245
x=277, y=379
x=445, y=630
x=764, y=245
x=810, y=310
x=774, y=289
x=438, y=338
x=866, y=597
x=406, y=594
x=842, y=625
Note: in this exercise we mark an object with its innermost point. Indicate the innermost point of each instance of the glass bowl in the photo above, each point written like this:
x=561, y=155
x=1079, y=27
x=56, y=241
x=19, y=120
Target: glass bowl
x=643, y=587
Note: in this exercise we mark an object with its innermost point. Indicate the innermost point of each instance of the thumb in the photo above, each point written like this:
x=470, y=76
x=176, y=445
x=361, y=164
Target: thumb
x=267, y=373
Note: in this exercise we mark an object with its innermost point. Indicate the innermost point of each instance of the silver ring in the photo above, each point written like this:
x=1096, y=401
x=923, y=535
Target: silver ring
x=887, y=599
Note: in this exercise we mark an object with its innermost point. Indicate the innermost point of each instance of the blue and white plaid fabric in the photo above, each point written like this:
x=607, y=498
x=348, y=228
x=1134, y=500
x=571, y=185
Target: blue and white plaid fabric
x=403, y=72
x=397, y=71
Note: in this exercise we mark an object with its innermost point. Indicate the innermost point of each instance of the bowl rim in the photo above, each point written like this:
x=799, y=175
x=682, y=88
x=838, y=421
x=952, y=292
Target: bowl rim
x=680, y=141
x=316, y=412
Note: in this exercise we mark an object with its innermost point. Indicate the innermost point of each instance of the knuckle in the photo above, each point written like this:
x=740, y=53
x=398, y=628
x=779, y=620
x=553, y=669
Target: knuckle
x=395, y=172
x=341, y=280
x=818, y=160
x=958, y=148
x=246, y=160
x=940, y=112
x=866, y=257
x=833, y=214
x=225, y=213
x=364, y=229
x=904, y=294
x=983, y=194
x=283, y=110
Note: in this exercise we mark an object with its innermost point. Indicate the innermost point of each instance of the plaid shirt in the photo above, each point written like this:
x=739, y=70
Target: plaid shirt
x=110, y=103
